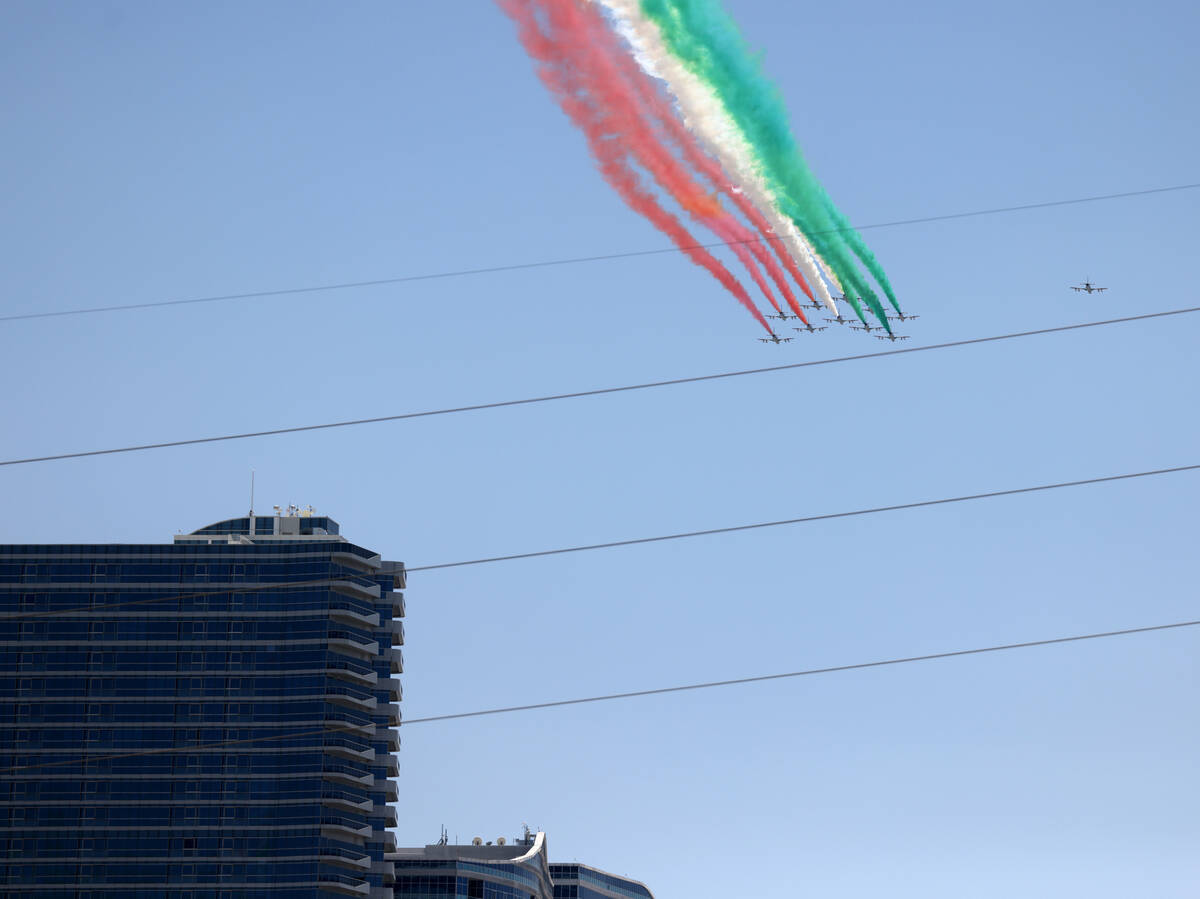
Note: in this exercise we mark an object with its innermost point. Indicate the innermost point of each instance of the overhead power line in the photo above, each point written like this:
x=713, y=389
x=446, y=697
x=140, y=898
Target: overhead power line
x=596, y=392
x=251, y=588
x=633, y=694
x=808, y=518
x=858, y=666
x=575, y=260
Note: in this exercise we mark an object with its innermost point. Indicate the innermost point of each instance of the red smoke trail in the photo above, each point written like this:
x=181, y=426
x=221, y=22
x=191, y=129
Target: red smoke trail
x=621, y=86
x=656, y=108
x=565, y=62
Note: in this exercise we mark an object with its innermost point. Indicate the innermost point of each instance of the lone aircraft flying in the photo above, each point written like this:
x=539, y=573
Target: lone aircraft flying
x=1089, y=287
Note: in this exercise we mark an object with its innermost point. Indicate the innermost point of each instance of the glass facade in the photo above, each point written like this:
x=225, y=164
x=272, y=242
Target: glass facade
x=518, y=871
x=210, y=719
x=583, y=882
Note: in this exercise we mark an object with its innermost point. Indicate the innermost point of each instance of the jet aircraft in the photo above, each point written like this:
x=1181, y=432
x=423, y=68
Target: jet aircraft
x=866, y=326
x=808, y=327
x=1089, y=287
x=900, y=316
x=775, y=338
x=892, y=337
x=782, y=315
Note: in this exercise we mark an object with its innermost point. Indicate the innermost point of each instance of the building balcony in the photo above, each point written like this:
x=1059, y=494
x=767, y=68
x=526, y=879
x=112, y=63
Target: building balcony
x=347, y=886
x=350, y=588
x=349, y=751
x=346, y=777
x=360, y=861
x=398, y=607
x=352, y=669
x=392, y=736
x=350, y=560
x=346, y=643
x=347, y=805
x=387, y=812
x=345, y=829
x=391, y=789
x=347, y=698
x=348, y=615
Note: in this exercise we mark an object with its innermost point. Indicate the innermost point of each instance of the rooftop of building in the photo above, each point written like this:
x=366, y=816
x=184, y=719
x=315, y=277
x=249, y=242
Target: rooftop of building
x=289, y=522
x=522, y=850
x=498, y=850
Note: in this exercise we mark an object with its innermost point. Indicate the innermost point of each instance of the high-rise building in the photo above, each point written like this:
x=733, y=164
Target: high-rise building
x=213, y=718
x=497, y=869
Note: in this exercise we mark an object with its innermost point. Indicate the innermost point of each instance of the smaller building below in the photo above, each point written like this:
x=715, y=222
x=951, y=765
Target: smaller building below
x=502, y=870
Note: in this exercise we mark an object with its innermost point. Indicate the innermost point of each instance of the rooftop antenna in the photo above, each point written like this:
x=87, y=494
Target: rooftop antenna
x=251, y=492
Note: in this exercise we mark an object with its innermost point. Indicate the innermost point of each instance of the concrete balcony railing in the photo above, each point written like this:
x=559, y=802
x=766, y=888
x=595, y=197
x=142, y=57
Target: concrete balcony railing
x=361, y=780
x=347, y=886
x=347, y=805
x=354, y=617
x=391, y=789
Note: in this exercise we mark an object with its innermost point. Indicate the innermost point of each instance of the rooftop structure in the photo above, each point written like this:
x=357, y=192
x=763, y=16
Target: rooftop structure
x=498, y=869
x=495, y=870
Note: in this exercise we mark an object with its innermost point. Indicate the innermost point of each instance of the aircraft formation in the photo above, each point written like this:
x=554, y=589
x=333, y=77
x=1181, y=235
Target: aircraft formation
x=866, y=327
x=669, y=93
x=855, y=324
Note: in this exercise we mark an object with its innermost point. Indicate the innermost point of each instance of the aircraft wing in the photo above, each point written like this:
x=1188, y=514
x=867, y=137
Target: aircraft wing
x=1101, y=289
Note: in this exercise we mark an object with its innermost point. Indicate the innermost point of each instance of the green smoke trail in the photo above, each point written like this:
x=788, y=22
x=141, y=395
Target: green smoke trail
x=863, y=252
x=708, y=42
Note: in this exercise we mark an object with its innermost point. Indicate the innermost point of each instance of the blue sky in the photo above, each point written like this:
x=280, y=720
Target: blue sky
x=157, y=151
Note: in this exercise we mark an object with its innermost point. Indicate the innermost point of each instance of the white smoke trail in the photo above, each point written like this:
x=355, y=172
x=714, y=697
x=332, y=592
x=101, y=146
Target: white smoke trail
x=704, y=114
